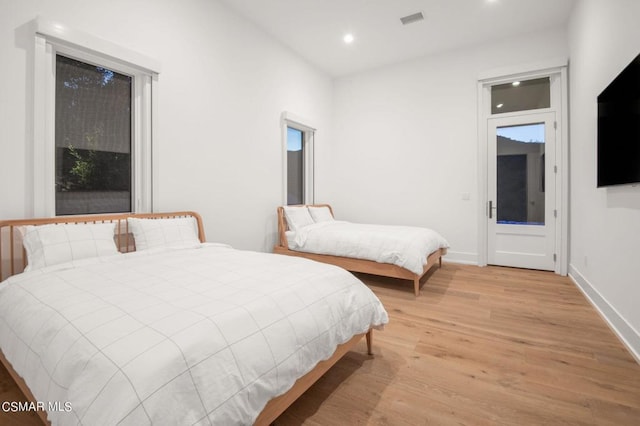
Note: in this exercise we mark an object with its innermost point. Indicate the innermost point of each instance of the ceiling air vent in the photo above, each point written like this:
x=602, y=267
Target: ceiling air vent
x=410, y=19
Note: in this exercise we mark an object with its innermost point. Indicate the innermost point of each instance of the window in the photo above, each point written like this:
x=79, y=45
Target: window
x=298, y=164
x=521, y=95
x=295, y=166
x=92, y=125
x=520, y=194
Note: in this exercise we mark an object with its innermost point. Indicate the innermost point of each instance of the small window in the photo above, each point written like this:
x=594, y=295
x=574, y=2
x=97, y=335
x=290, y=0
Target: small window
x=521, y=96
x=295, y=166
x=93, y=135
x=298, y=138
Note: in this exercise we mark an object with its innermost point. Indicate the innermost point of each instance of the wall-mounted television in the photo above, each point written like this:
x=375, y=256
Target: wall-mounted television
x=619, y=129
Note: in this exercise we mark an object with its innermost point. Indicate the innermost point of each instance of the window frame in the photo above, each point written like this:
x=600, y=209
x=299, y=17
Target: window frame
x=308, y=141
x=52, y=39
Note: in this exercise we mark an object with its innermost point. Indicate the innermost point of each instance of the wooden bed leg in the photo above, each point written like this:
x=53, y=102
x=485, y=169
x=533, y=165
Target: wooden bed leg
x=369, y=337
x=440, y=261
x=416, y=286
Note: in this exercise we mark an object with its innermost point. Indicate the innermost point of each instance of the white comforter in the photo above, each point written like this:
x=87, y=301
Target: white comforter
x=201, y=336
x=404, y=246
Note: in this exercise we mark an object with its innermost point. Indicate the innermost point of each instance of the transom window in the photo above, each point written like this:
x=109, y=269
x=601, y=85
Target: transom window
x=521, y=95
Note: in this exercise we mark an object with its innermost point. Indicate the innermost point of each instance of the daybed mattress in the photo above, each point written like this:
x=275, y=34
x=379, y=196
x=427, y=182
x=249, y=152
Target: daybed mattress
x=404, y=246
x=204, y=335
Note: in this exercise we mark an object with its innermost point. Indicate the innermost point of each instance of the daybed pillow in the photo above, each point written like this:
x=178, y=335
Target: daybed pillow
x=48, y=245
x=170, y=232
x=321, y=214
x=297, y=217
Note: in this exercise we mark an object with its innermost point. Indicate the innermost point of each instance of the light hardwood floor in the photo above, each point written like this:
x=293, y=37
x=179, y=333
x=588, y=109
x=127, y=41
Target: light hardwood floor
x=479, y=346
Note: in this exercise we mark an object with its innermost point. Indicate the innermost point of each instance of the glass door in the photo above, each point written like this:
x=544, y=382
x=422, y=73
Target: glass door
x=522, y=191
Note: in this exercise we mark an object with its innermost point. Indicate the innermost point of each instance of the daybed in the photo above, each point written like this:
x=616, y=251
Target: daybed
x=311, y=231
x=175, y=331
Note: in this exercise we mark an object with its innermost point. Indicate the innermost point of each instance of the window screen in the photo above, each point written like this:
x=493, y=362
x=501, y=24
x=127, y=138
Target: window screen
x=93, y=127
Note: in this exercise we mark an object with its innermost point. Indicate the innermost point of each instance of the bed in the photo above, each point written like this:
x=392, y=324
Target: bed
x=311, y=231
x=165, y=328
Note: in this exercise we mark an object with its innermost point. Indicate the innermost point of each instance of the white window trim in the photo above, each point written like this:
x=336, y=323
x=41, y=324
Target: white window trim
x=52, y=38
x=289, y=119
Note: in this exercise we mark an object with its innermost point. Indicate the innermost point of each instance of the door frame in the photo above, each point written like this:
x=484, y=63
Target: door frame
x=557, y=71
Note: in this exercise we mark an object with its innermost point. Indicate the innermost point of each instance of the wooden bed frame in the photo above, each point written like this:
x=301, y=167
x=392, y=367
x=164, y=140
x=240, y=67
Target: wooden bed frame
x=352, y=264
x=13, y=260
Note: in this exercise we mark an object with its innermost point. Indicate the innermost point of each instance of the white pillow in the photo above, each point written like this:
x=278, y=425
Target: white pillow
x=170, y=232
x=297, y=217
x=321, y=214
x=48, y=245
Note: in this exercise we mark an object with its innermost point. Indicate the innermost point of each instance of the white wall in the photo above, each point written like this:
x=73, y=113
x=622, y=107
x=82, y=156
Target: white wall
x=605, y=223
x=222, y=88
x=405, y=146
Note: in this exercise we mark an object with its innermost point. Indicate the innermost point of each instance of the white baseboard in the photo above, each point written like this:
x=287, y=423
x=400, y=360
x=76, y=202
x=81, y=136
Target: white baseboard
x=625, y=332
x=461, y=257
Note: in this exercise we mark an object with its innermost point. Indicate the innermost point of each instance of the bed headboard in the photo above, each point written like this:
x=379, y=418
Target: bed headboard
x=13, y=257
x=283, y=226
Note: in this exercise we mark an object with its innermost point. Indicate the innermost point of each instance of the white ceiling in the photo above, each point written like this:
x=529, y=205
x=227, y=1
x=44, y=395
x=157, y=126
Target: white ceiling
x=315, y=28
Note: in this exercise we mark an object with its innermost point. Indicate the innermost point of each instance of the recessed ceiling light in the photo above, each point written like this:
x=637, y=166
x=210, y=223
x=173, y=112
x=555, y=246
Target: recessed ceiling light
x=348, y=38
x=515, y=84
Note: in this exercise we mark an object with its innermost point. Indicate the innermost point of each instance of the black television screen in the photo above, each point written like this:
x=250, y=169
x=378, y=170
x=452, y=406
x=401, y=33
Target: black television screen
x=619, y=129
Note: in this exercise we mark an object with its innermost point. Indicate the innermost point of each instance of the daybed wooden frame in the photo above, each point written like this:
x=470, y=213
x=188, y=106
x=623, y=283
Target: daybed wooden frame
x=352, y=264
x=13, y=261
